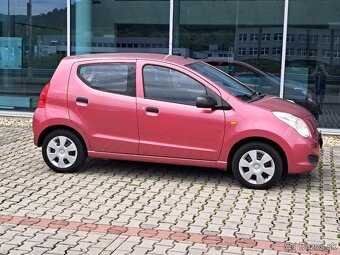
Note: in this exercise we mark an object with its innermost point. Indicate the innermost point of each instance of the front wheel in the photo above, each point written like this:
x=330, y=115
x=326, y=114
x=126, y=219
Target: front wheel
x=257, y=165
x=63, y=151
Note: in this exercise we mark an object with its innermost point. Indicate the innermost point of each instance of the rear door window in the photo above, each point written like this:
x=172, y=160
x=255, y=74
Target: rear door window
x=118, y=78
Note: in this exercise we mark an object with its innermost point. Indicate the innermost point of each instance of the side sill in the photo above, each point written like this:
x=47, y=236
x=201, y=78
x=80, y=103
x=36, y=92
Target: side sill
x=164, y=160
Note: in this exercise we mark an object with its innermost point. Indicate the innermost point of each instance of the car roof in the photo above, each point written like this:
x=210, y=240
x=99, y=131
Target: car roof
x=138, y=56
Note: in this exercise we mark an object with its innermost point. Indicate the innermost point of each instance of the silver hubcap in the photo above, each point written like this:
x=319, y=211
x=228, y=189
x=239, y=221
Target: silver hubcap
x=62, y=152
x=256, y=167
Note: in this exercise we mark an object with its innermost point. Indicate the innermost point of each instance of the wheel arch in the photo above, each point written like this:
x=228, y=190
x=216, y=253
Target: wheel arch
x=50, y=129
x=257, y=139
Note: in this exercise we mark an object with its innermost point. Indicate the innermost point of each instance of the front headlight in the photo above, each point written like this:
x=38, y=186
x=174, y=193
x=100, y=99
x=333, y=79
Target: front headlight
x=298, y=124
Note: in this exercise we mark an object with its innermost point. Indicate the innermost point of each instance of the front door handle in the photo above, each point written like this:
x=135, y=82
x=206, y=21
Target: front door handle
x=152, y=109
x=82, y=100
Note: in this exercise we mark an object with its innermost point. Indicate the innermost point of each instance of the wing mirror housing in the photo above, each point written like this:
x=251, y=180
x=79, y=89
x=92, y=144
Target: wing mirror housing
x=206, y=101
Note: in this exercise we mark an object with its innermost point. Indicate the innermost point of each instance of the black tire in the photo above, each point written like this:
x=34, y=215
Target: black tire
x=72, y=153
x=259, y=170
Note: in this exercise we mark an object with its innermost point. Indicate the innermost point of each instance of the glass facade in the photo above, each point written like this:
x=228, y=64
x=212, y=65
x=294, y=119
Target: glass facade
x=104, y=26
x=28, y=52
x=243, y=38
x=313, y=62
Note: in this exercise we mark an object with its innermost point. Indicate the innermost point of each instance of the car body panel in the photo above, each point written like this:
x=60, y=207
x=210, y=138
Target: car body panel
x=276, y=104
x=104, y=115
x=181, y=131
x=178, y=130
x=41, y=123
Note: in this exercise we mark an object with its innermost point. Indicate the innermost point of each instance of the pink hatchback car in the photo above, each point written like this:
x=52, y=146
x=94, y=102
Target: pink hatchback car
x=170, y=109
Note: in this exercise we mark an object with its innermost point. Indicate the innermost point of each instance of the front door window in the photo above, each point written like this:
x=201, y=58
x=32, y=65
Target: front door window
x=169, y=85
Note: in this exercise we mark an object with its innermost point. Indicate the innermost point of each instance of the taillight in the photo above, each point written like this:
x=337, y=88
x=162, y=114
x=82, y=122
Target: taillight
x=43, y=96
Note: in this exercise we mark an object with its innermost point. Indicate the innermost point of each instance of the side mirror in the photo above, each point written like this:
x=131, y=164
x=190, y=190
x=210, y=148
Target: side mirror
x=205, y=101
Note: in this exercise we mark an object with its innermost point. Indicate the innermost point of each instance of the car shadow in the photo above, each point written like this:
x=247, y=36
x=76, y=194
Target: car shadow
x=155, y=171
x=178, y=173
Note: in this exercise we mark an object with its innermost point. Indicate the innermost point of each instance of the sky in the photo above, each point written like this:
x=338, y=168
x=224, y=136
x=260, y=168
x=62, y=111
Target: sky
x=19, y=7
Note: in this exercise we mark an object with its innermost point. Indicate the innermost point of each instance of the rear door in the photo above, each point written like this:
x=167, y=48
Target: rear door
x=170, y=124
x=102, y=100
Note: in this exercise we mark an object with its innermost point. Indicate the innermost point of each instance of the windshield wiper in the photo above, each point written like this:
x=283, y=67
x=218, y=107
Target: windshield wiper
x=256, y=96
x=246, y=96
x=251, y=97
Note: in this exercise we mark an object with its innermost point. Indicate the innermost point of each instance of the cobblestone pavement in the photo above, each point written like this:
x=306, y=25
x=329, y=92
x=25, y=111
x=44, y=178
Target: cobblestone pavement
x=117, y=207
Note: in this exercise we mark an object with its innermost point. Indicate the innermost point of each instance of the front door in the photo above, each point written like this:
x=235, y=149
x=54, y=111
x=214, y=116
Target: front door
x=170, y=124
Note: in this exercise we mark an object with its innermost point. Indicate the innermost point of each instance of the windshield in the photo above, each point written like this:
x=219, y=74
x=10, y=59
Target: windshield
x=232, y=86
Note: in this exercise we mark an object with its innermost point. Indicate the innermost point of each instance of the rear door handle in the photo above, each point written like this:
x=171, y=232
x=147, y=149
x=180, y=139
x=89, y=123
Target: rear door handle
x=152, y=109
x=82, y=100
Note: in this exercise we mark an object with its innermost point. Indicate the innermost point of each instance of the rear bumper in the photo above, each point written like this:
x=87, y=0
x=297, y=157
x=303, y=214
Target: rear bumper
x=38, y=118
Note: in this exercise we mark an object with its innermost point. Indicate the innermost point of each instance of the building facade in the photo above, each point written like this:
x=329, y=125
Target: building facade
x=288, y=41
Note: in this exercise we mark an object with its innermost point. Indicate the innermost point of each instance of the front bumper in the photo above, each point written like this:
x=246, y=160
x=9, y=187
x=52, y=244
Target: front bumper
x=303, y=154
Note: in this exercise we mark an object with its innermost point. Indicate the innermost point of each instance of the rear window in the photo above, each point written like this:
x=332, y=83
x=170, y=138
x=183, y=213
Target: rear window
x=119, y=78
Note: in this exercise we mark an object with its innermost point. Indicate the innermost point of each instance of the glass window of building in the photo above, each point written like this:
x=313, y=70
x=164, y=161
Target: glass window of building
x=242, y=30
x=290, y=51
x=278, y=37
x=32, y=43
x=265, y=51
x=277, y=51
x=302, y=52
x=241, y=52
x=326, y=53
x=252, y=51
x=301, y=38
x=290, y=38
x=337, y=39
x=313, y=75
x=336, y=54
x=313, y=39
x=266, y=37
x=254, y=37
x=326, y=39
x=313, y=52
x=129, y=26
x=242, y=37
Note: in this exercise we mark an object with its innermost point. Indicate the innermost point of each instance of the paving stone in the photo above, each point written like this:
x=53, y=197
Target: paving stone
x=302, y=208
x=6, y=248
x=27, y=246
x=38, y=250
x=16, y=252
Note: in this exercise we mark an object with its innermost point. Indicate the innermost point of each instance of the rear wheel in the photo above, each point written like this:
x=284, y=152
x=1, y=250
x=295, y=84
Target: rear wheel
x=257, y=165
x=63, y=151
